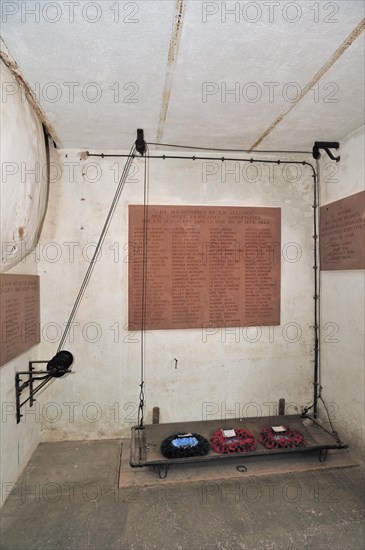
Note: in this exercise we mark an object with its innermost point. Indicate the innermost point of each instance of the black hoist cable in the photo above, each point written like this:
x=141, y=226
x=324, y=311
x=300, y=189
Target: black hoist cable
x=144, y=286
x=94, y=259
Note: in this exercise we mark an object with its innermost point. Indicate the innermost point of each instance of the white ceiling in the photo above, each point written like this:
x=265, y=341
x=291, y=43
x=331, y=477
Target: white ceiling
x=168, y=51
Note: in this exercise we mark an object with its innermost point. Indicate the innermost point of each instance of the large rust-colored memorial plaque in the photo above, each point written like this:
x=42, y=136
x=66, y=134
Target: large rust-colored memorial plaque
x=20, y=318
x=206, y=266
x=342, y=234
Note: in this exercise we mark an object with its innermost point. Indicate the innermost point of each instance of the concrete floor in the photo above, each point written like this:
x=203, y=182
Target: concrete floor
x=67, y=499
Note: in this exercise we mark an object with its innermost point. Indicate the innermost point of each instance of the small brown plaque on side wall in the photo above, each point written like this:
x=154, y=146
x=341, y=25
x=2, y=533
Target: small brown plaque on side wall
x=20, y=317
x=341, y=234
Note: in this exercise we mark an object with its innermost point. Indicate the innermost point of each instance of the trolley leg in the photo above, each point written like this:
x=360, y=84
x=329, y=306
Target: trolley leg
x=162, y=470
x=323, y=455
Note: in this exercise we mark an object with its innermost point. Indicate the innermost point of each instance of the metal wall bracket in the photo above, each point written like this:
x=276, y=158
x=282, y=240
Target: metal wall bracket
x=58, y=366
x=20, y=386
x=326, y=146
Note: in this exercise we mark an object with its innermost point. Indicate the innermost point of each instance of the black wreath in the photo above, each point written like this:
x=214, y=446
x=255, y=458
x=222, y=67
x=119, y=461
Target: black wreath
x=170, y=451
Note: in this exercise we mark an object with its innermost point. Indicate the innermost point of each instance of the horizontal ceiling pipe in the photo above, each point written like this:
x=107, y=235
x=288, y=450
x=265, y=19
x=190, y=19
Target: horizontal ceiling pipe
x=222, y=159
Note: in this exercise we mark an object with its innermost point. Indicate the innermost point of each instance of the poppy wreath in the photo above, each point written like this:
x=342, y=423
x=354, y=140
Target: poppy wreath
x=288, y=439
x=178, y=446
x=243, y=442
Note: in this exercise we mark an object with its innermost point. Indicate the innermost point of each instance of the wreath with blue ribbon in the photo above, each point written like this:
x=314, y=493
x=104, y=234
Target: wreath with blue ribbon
x=184, y=446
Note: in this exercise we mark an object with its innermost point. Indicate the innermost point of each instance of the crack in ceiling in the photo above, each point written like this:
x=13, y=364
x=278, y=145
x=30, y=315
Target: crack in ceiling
x=171, y=64
x=357, y=31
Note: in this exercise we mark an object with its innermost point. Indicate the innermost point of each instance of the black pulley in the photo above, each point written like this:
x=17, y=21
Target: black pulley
x=60, y=363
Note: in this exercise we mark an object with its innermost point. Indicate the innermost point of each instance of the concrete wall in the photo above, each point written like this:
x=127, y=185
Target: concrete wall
x=342, y=307
x=23, y=172
x=245, y=373
x=22, y=204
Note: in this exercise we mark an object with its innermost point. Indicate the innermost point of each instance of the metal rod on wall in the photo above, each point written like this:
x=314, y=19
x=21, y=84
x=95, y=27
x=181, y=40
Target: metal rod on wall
x=316, y=327
x=316, y=370
x=194, y=157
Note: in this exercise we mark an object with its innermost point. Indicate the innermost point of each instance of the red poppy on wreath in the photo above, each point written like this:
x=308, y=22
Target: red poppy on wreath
x=242, y=442
x=289, y=438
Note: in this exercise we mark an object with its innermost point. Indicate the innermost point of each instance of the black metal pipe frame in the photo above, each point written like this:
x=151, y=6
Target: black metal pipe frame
x=131, y=156
x=316, y=327
x=317, y=290
x=194, y=157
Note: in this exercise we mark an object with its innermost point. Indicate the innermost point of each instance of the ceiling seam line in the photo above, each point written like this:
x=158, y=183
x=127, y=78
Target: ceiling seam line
x=349, y=40
x=175, y=37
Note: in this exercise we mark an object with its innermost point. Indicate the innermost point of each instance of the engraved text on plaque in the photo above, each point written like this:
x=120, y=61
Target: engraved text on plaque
x=19, y=299
x=206, y=266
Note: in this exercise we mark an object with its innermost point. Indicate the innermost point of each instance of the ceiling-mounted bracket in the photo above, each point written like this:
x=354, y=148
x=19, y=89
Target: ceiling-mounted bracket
x=140, y=142
x=326, y=146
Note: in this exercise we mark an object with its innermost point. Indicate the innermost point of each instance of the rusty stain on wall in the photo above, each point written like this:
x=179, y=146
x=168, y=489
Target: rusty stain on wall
x=21, y=232
x=317, y=76
x=15, y=71
x=171, y=64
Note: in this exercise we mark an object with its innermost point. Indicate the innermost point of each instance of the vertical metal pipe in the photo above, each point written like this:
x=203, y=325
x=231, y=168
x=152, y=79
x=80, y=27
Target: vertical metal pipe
x=316, y=294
